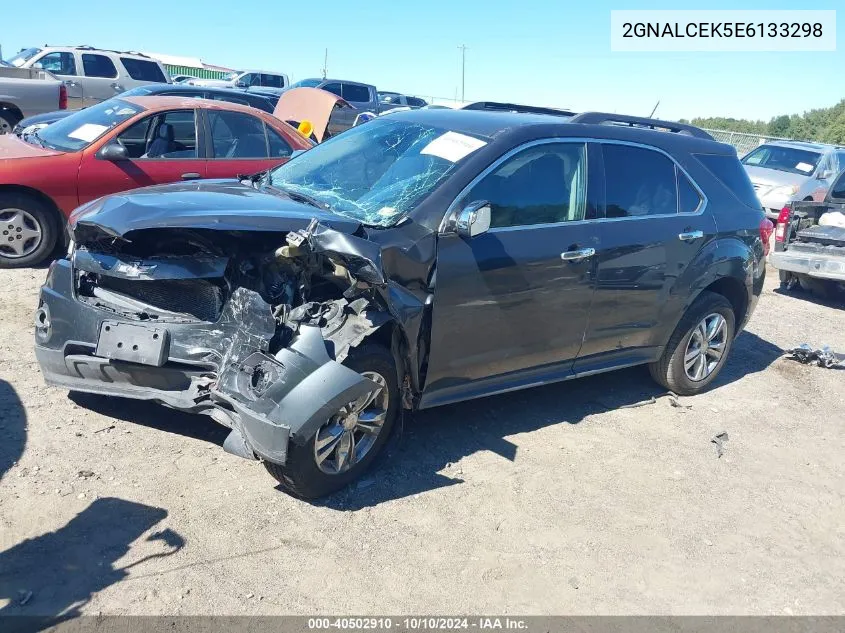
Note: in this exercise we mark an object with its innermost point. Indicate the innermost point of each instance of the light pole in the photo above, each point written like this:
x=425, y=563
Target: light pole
x=463, y=49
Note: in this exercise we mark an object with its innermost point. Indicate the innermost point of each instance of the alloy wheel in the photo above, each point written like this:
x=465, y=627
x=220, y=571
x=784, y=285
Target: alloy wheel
x=352, y=432
x=20, y=233
x=706, y=347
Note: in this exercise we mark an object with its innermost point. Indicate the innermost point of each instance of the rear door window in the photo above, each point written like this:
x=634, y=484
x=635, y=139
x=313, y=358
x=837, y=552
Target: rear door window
x=58, y=63
x=143, y=70
x=638, y=182
x=356, y=92
x=98, y=66
x=237, y=135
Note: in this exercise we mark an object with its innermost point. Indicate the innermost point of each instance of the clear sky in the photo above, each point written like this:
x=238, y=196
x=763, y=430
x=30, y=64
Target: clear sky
x=541, y=52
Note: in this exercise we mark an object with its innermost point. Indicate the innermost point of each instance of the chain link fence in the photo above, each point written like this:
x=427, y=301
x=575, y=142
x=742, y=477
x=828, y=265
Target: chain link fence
x=742, y=141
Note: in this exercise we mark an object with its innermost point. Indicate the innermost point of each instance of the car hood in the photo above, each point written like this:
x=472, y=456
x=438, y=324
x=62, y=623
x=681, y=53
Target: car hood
x=45, y=118
x=226, y=205
x=773, y=177
x=12, y=147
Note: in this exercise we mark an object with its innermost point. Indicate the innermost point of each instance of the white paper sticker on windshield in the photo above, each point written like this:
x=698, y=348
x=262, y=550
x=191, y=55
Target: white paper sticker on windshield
x=453, y=146
x=805, y=167
x=88, y=132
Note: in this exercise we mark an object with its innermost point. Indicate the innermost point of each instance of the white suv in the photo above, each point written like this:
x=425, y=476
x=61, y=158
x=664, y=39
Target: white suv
x=91, y=74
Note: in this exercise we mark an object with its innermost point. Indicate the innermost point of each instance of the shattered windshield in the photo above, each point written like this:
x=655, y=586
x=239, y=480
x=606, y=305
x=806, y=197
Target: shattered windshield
x=82, y=128
x=377, y=172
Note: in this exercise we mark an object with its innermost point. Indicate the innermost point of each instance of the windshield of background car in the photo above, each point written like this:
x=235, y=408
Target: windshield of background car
x=307, y=83
x=24, y=56
x=790, y=159
x=82, y=128
x=379, y=171
x=231, y=76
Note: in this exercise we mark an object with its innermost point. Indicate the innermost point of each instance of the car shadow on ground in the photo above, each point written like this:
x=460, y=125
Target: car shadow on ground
x=12, y=427
x=49, y=578
x=427, y=441
x=835, y=299
x=153, y=415
x=435, y=438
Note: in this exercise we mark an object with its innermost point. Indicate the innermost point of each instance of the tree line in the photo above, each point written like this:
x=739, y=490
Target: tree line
x=826, y=125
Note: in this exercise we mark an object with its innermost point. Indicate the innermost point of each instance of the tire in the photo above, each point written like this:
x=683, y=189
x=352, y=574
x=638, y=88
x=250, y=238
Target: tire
x=301, y=475
x=8, y=121
x=20, y=215
x=670, y=371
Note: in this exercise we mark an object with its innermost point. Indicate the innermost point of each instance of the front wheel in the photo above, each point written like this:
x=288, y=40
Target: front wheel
x=698, y=348
x=28, y=230
x=348, y=443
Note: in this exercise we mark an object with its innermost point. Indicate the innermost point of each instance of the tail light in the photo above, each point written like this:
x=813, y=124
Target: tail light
x=766, y=228
x=783, y=220
x=63, y=97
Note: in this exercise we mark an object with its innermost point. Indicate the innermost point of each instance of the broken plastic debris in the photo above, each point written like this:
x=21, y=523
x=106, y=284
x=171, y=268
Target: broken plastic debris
x=824, y=357
x=719, y=441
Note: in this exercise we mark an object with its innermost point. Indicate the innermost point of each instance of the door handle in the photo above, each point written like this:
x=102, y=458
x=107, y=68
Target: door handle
x=583, y=253
x=117, y=87
x=690, y=236
x=71, y=84
x=191, y=175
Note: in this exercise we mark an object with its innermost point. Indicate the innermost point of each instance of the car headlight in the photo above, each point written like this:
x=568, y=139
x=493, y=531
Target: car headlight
x=785, y=190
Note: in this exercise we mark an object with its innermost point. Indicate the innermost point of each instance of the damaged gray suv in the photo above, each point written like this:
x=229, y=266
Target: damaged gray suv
x=420, y=259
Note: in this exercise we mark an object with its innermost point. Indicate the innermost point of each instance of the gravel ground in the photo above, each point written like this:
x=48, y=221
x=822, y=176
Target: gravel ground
x=551, y=500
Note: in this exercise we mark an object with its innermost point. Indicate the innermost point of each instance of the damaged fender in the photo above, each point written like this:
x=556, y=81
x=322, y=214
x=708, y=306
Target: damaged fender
x=286, y=396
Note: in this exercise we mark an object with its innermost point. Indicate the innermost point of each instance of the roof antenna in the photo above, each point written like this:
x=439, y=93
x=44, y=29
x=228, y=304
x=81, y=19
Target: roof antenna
x=325, y=63
x=651, y=116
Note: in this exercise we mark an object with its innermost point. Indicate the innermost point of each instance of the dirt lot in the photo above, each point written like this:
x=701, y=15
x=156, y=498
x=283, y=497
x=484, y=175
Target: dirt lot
x=551, y=500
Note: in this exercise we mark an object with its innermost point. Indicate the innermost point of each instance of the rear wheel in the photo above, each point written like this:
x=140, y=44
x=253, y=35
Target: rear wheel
x=698, y=348
x=28, y=230
x=348, y=443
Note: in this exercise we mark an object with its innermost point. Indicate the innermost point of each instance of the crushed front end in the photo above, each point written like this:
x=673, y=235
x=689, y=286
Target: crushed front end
x=248, y=327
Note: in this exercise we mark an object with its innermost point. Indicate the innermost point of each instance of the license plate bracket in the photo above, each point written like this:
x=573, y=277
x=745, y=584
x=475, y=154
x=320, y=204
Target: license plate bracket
x=143, y=344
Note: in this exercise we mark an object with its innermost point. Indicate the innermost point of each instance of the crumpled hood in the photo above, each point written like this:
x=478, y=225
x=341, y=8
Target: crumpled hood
x=226, y=205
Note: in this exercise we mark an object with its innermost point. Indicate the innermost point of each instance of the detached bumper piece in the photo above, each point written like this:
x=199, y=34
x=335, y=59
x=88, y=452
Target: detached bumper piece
x=222, y=369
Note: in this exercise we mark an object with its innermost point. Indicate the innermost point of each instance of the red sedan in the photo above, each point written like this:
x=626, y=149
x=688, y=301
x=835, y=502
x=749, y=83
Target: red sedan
x=120, y=144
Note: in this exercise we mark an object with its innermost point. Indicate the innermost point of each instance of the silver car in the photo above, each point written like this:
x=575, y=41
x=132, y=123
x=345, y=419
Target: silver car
x=783, y=171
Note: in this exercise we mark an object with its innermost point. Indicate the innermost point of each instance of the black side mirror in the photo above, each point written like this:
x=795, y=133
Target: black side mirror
x=113, y=151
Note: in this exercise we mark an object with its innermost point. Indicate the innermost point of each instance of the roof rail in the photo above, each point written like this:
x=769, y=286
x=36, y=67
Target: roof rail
x=496, y=106
x=597, y=118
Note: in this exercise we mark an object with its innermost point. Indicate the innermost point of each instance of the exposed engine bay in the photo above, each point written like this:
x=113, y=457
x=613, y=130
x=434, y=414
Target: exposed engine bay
x=188, y=276
x=249, y=327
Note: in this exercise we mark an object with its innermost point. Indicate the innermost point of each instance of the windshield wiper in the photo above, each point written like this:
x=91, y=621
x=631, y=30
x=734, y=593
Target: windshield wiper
x=300, y=197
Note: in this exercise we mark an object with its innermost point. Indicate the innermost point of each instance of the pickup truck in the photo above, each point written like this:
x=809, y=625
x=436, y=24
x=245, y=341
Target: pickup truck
x=810, y=243
x=28, y=91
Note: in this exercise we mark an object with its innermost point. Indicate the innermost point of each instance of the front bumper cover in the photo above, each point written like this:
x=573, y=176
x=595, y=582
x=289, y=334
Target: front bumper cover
x=220, y=369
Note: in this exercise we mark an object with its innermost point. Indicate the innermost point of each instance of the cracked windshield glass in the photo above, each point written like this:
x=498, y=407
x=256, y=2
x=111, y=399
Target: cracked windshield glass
x=376, y=172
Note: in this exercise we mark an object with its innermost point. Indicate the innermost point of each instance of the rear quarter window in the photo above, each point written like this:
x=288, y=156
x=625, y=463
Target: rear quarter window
x=728, y=170
x=143, y=70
